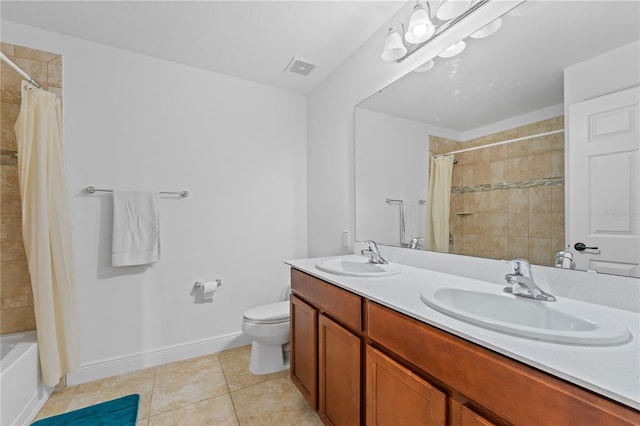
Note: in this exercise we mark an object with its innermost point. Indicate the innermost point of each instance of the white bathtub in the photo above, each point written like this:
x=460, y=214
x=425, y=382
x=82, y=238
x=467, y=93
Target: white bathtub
x=22, y=392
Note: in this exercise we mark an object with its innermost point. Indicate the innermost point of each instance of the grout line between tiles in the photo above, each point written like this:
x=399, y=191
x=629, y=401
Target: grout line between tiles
x=233, y=404
x=153, y=387
x=73, y=394
x=192, y=403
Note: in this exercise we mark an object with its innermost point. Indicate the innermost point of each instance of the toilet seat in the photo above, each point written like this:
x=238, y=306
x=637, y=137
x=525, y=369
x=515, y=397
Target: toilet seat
x=272, y=313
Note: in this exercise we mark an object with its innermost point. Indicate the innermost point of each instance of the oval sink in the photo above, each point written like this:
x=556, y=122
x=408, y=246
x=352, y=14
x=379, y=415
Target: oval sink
x=357, y=266
x=563, y=321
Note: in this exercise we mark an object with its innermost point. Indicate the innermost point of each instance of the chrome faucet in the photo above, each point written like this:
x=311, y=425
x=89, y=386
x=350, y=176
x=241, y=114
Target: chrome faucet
x=373, y=253
x=563, y=259
x=416, y=243
x=521, y=282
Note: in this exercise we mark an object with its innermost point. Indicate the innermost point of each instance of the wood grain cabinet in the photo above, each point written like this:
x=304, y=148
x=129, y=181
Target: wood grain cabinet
x=339, y=371
x=508, y=391
x=304, y=350
x=462, y=415
x=397, y=396
x=326, y=359
x=361, y=363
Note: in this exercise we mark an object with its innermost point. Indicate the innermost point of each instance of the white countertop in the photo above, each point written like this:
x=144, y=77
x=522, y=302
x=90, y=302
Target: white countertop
x=612, y=371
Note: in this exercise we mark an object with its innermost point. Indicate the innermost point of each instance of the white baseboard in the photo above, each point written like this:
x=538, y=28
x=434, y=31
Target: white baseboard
x=132, y=362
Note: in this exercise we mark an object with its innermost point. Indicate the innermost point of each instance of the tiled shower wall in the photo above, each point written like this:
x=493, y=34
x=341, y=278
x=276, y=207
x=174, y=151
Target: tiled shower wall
x=16, y=298
x=508, y=201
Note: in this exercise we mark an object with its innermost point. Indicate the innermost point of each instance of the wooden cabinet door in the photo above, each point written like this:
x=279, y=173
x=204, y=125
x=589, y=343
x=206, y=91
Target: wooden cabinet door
x=304, y=350
x=396, y=396
x=471, y=418
x=339, y=371
x=461, y=415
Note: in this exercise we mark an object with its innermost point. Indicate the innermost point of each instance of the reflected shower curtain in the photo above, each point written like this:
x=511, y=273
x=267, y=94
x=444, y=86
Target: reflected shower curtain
x=439, y=203
x=46, y=231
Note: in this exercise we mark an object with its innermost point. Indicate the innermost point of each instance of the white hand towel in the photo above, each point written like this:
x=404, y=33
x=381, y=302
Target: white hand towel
x=136, y=228
x=413, y=218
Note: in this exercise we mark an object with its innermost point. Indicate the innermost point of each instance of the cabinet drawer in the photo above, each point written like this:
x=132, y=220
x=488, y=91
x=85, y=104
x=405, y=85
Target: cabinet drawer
x=488, y=378
x=337, y=303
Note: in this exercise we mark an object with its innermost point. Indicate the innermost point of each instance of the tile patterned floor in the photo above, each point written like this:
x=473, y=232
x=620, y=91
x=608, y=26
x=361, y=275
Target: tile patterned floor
x=215, y=389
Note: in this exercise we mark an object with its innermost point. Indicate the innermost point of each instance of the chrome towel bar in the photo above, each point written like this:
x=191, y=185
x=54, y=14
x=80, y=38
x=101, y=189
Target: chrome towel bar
x=184, y=192
x=390, y=201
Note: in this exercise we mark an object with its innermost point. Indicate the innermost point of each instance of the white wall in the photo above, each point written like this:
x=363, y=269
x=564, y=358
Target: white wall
x=604, y=74
x=392, y=161
x=517, y=121
x=330, y=125
x=132, y=121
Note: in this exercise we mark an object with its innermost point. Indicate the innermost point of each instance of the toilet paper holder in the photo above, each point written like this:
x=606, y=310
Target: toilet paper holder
x=200, y=284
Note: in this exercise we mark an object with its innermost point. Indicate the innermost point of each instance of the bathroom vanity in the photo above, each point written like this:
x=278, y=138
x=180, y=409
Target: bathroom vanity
x=363, y=351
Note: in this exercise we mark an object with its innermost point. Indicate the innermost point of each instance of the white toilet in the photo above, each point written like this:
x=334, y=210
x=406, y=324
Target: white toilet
x=268, y=327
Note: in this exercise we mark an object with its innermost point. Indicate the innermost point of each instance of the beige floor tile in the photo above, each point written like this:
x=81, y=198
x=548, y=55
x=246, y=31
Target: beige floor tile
x=236, y=371
x=140, y=382
x=215, y=411
x=275, y=402
x=57, y=402
x=195, y=392
x=187, y=382
x=192, y=364
x=311, y=420
x=230, y=353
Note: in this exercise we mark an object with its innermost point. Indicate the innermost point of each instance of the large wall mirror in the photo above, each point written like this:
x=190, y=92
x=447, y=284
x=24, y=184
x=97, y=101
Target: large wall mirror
x=505, y=200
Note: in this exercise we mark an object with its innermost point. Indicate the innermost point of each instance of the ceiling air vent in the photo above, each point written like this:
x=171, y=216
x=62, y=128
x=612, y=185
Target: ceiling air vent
x=297, y=66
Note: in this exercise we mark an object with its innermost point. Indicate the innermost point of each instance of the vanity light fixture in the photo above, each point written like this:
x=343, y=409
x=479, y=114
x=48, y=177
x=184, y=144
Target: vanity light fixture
x=449, y=9
x=394, y=48
x=453, y=50
x=420, y=27
x=488, y=29
x=425, y=67
x=427, y=22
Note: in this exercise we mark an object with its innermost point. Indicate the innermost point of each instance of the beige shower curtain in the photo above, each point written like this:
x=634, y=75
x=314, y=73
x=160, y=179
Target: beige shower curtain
x=439, y=203
x=46, y=231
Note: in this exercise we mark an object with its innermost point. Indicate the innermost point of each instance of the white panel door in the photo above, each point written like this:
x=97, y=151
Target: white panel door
x=603, y=187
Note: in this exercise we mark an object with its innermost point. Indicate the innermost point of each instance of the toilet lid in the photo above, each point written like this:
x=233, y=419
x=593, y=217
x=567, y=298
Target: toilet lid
x=270, y=313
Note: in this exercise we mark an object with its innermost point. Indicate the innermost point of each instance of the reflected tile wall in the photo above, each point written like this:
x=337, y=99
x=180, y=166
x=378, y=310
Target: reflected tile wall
x=523, y=221
x=16, y=297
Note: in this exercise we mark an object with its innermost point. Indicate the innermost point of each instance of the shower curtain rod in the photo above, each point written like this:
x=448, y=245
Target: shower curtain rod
x=553, y=132
x=19, y=70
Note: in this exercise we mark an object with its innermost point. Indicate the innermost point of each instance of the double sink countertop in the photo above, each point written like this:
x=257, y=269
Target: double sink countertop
x=611, y=371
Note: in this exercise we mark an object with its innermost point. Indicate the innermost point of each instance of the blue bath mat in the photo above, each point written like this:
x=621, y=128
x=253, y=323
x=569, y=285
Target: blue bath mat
x=118, y=412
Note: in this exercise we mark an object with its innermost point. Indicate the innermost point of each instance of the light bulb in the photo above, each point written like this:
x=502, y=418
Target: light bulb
x=420, y=26
x=419, y=30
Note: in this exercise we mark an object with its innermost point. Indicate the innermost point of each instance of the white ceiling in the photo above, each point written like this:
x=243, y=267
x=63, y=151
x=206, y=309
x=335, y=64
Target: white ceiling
x=253, y=40
x=517, y=70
